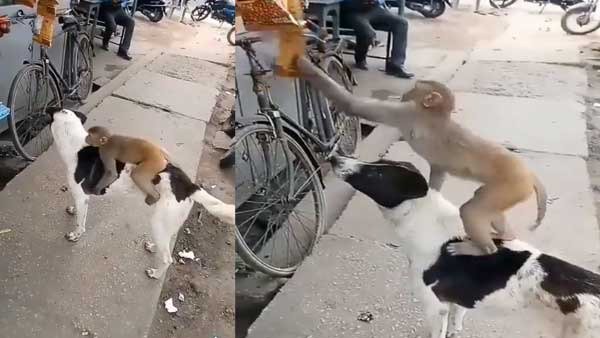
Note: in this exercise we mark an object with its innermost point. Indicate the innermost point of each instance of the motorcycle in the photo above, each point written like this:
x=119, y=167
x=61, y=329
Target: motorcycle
x=564, y=4
x=428, y=8
x=220, y=10
x=583, y=17
x=154, y=10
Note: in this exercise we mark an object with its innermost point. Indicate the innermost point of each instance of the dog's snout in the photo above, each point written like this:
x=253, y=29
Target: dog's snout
x=334, y=160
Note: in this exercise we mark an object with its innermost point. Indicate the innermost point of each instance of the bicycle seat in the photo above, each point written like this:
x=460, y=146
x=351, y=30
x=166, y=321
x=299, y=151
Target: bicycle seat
x=68, y=21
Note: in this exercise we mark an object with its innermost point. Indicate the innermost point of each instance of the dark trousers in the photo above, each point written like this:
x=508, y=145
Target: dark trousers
x=113, y=16
x=383, y=19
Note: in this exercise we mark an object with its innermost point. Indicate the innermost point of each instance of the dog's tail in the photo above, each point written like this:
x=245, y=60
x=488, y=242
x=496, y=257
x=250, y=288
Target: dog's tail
x=542, y=199
x=224, y=211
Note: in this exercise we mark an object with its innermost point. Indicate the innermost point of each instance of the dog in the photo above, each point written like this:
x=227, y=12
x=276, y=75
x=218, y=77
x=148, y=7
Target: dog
x=516, y=275
x=84, y=170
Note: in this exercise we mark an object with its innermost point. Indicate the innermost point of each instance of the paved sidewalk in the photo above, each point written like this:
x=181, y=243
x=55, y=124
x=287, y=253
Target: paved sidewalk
x=53, y=288
x=504, y=93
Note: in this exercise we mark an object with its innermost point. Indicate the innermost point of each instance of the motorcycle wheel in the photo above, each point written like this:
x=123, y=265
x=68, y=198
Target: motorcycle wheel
x=154, y=14
x=437, y=8
x=578, y=16
x=200, y=13
x=501, y=3
x=231, y=36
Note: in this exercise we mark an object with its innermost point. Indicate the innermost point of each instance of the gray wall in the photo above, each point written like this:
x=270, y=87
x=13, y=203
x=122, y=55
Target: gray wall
x=14, y=49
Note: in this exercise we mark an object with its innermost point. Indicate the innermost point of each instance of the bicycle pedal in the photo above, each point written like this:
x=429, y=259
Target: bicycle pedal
x=4, y=111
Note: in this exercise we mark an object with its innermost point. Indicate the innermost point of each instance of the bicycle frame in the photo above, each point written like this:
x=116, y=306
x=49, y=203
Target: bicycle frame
x=326, y=139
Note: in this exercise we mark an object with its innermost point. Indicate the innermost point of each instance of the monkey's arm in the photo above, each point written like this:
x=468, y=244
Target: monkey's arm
x=110, y=169
x=437, y=176
x=387, y=112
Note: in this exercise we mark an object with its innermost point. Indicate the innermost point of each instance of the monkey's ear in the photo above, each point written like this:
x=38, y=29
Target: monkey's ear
x=432, y=99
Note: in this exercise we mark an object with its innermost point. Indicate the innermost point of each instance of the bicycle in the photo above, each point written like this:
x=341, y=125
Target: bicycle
x=287, y=179
x=45, y=86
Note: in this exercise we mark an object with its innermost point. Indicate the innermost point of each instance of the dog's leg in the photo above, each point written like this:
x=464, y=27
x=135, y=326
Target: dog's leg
x=81, y=208
x=436, y=313
x=166, y=221
x=161, y=239
x=457, y=316
x=571, y=327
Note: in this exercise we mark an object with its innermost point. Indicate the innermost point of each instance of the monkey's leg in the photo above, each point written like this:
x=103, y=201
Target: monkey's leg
x=142, y=175
x=477, y=216
x=437, y=176
x=504, y=230
x=110, y=172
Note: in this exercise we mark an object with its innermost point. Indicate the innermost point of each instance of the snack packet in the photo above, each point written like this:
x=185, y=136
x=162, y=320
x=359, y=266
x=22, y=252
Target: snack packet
x=285, y=17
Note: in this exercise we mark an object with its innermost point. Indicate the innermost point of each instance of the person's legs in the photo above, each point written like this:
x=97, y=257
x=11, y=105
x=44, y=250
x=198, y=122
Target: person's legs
x=128, y=23
x=364, y=37
x=399, y=28
x=110, y=26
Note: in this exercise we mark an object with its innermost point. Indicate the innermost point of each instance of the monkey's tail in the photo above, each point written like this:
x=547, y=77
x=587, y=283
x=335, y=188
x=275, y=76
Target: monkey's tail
x=224, y=211
x=542, y=198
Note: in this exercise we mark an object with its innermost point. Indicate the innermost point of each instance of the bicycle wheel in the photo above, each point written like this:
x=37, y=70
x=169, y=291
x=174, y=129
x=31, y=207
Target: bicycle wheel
x=501, y=3
x=347, y=126
x=274, y=233
x=231, y=36
x=83, y=66
x=578, y=20
x=200, y=13
x=31, y=92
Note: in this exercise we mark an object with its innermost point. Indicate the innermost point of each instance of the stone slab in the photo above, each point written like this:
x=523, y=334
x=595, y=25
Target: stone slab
x=521, y=79
x=533, y=124
x=187, y=68
x=184, y=97
x=53, y=288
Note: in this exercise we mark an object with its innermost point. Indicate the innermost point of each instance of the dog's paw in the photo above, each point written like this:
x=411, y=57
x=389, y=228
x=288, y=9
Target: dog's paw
x=70, y=210
x=152, y=273
x=149, y=246
x=73, y=236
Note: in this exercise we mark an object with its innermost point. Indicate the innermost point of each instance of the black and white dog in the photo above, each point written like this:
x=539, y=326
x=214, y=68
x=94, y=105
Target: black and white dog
x=84, y=170
x=448, y=285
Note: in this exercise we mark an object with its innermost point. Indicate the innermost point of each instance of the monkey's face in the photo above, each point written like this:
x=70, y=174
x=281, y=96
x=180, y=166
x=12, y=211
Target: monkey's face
x=432, y=96
x=95, y=140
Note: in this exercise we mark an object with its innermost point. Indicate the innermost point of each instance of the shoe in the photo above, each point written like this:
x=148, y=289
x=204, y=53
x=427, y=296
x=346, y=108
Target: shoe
x=124, y=55
x=104, y=46
x=361, y=65
x=400, y=72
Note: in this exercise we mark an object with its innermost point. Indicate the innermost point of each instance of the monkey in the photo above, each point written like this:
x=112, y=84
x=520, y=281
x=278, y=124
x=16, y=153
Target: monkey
x=148, y=158
x=423, y=115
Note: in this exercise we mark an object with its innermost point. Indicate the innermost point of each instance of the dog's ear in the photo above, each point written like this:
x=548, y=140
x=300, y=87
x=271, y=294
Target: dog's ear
x=81, y=116
x=53, y=110
x=389, y=183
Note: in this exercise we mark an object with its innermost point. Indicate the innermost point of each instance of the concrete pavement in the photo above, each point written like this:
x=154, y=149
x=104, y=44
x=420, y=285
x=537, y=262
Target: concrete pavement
x=53, y=288
x=519, y=88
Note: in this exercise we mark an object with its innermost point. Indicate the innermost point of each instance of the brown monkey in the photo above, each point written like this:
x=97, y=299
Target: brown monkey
x=148, y=158
x=423, y=117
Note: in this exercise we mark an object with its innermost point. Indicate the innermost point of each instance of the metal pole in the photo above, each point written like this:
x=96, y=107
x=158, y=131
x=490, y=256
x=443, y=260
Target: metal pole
x=400, y=7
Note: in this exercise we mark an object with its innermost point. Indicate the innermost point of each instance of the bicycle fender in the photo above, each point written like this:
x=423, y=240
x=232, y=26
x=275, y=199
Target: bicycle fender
x=258, y=119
